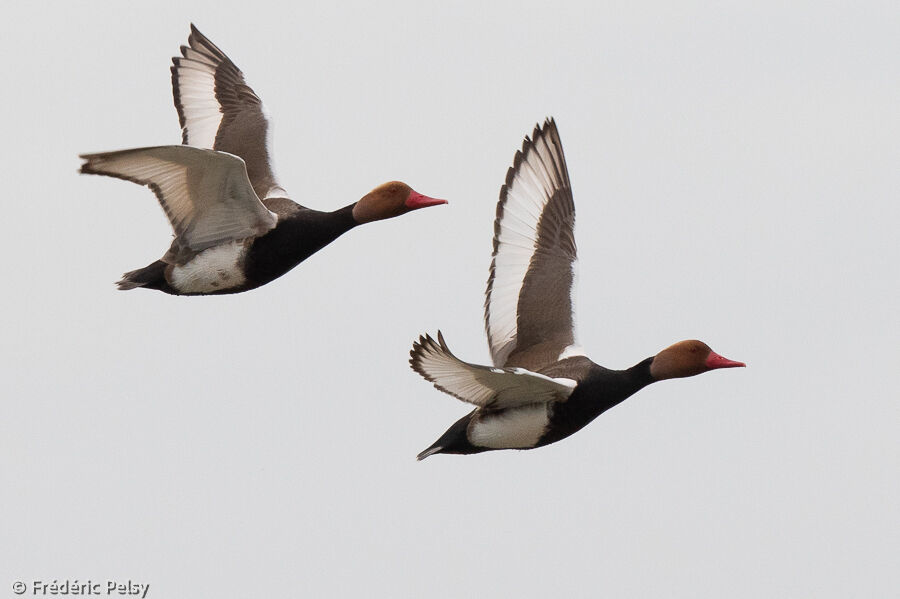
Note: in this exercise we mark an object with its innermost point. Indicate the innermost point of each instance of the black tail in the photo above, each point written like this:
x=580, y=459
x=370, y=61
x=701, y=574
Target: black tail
x=151, y=277
x=430, y=451
x=455, y=440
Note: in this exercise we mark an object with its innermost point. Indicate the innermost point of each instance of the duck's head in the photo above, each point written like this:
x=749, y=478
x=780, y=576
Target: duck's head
x=687, y=358
x=390, y=200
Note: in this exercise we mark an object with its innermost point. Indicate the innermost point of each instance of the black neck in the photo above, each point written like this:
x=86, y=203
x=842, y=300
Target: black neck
x=639, y=374
x=296, y=237
x=311, y=230
x=616, y=386
x=597, y=392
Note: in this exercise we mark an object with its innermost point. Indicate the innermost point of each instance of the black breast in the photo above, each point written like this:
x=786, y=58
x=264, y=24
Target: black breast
x=598, y=390
x=295, y=238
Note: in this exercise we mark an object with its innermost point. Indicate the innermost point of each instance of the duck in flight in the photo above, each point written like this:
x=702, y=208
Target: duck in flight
x=235, y=227
x=542, y=387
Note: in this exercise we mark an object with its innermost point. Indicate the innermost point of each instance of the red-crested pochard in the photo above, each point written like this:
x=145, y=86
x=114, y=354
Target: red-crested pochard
x=542, y=388
x=235, y=226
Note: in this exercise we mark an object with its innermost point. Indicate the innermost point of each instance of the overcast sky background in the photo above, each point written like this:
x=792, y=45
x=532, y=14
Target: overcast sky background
x=735, y=170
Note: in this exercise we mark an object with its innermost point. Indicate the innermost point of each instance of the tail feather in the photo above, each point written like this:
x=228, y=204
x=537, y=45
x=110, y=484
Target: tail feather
x=152, y=277
x=126, y=283
x=430, y=451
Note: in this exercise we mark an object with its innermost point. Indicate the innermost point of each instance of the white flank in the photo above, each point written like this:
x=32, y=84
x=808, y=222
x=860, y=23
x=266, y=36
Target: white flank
x=512, y=429
x=211, y=270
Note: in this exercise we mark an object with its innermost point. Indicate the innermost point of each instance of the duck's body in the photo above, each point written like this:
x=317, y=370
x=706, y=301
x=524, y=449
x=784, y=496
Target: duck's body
x=597, y=390
x=542, y=387
x=248, y=263
x=235, y=226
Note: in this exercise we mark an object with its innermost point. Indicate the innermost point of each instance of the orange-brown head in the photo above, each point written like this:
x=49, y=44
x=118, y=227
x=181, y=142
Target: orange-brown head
x=687, y=358
x=390, y=200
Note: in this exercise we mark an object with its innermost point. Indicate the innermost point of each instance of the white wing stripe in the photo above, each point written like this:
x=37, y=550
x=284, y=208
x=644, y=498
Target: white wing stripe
x=537, y=179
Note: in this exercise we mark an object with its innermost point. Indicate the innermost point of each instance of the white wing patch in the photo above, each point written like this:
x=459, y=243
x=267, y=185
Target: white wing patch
x=510, y=267
x=195, y=78
x=483, y=386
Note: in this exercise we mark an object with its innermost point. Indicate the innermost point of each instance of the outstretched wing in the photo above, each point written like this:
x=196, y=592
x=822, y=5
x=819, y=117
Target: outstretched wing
x=206, y=194
x=218, y=110
x=528, y=305
x=483, y=386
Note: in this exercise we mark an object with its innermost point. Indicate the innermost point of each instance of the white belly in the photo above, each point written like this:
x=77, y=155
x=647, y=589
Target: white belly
x=211, y=270
x=513, y=429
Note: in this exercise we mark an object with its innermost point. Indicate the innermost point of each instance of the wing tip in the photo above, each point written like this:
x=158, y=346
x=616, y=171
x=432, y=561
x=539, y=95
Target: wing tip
x=424, y=345
x=194, y=37
x=528, y=144
x=202, y=44
x=93, y=165
x=415, y=354
x=427, y=347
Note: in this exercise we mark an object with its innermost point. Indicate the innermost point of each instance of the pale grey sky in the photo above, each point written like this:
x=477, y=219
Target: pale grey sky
x=735, y=177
